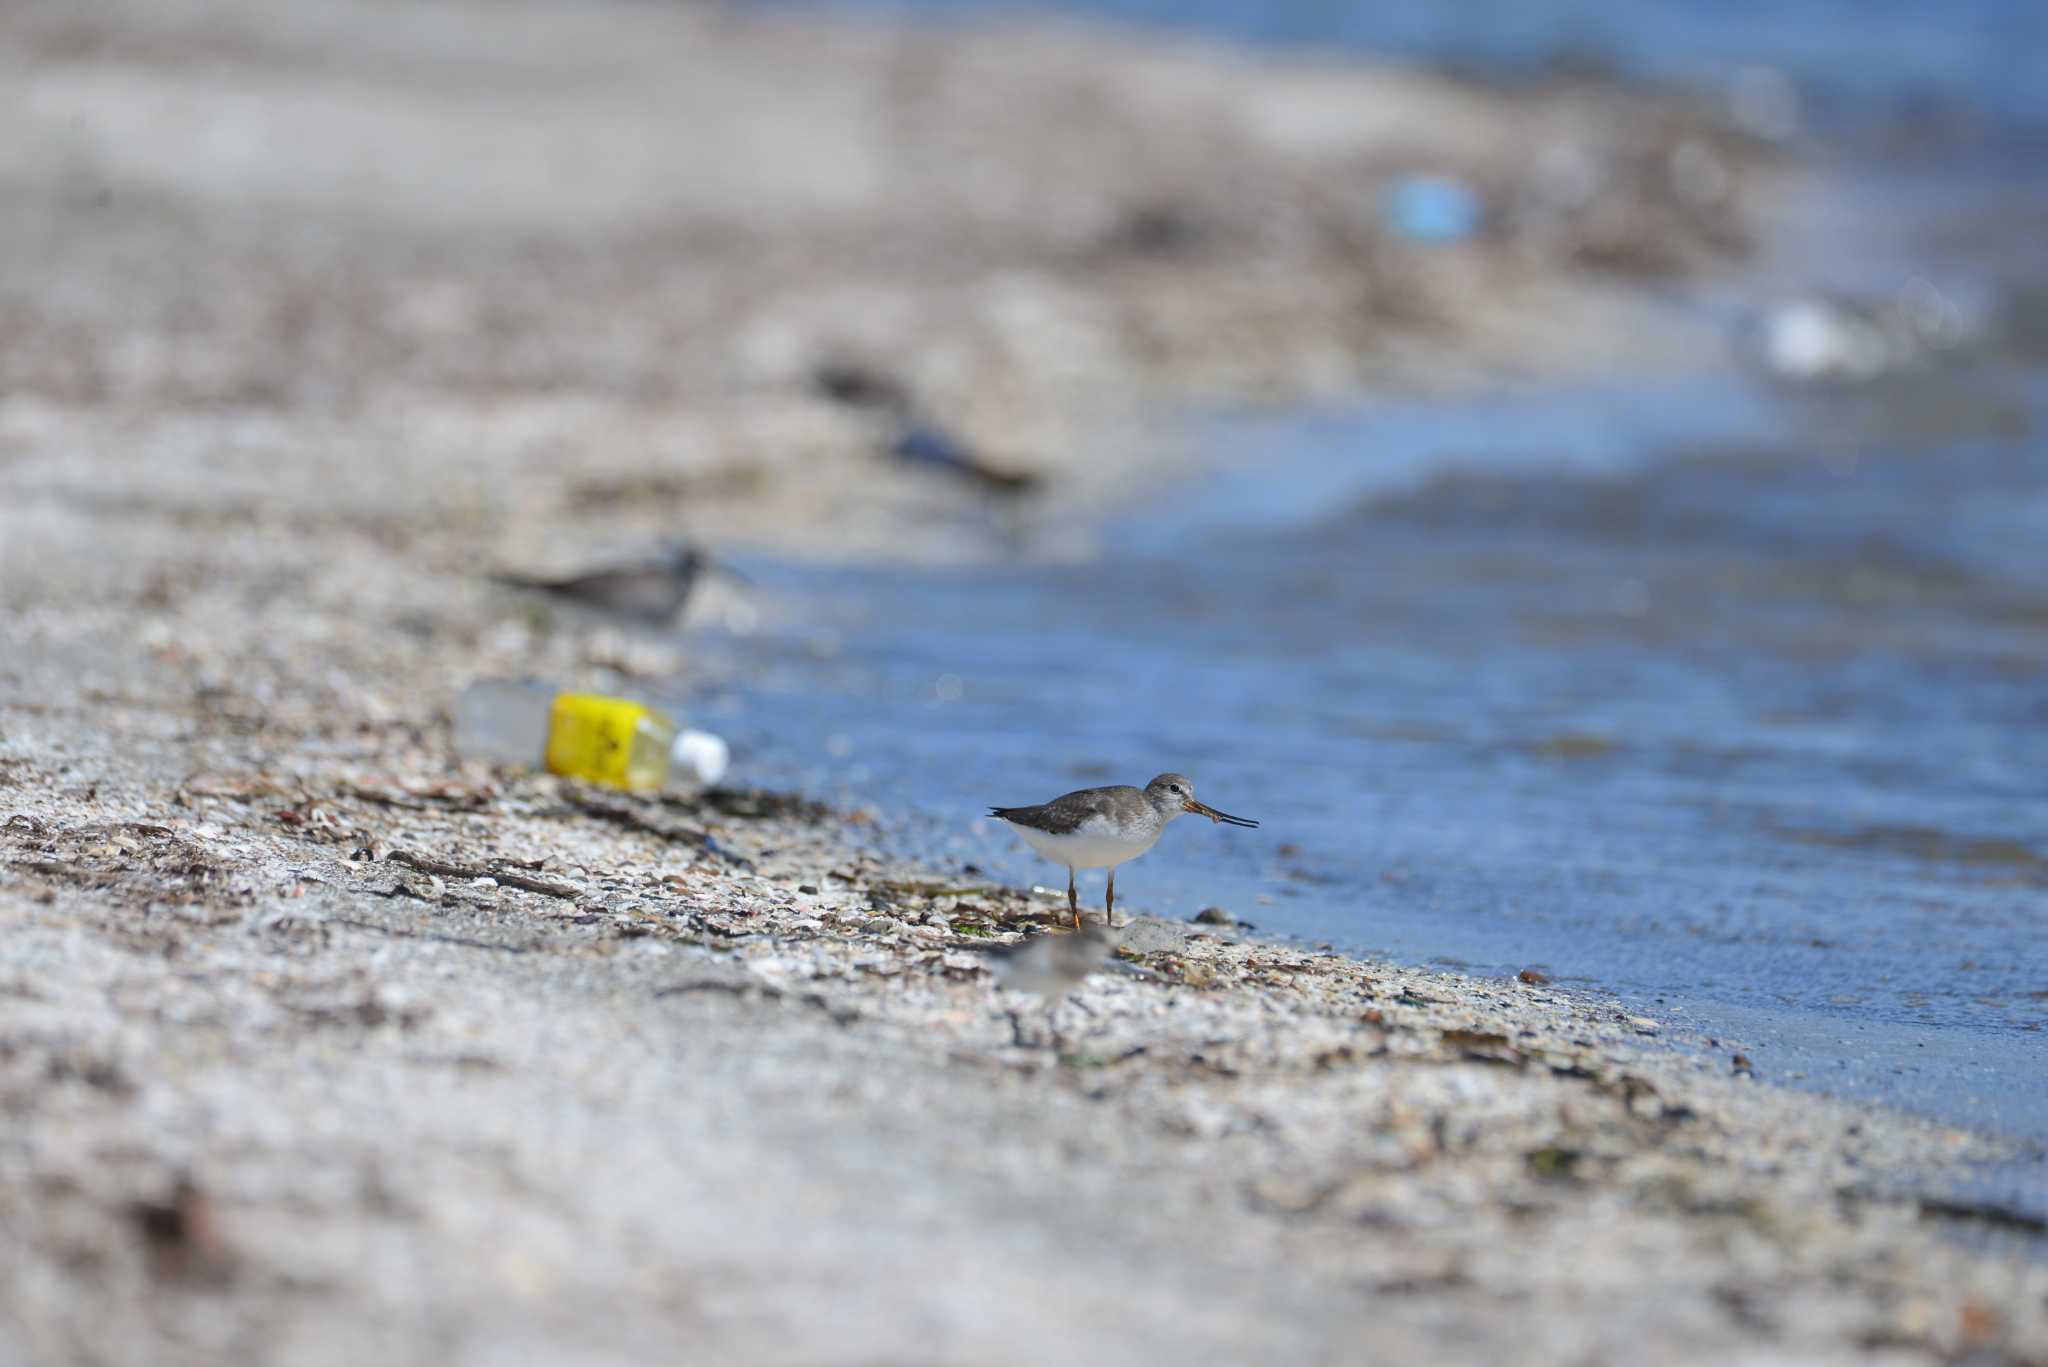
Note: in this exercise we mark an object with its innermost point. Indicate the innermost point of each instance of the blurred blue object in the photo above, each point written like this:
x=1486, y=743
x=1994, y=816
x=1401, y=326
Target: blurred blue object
x=1430, y=208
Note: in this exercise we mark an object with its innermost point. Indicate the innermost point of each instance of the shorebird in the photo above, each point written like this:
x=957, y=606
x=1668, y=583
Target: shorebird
x=1051, y=964
x=651, y=591
x=918, y=440
x=1048, y=966
x=1100, y=828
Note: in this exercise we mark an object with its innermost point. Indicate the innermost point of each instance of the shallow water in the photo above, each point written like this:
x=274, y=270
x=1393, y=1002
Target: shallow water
x=1726, y=699
x=1745, y=728
x=1731, y=705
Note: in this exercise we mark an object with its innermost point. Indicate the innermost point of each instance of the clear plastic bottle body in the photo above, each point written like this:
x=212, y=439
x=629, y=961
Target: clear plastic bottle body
x=613, y=741
x=504, y=721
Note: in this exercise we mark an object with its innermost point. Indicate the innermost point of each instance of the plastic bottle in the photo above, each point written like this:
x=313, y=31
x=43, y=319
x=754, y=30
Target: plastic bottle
x=613, y=741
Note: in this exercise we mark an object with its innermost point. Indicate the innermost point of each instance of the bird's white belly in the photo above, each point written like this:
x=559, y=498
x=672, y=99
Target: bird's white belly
x=1086, y=848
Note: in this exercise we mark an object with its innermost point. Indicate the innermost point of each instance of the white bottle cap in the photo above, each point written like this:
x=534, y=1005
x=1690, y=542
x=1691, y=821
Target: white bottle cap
x=699, y=757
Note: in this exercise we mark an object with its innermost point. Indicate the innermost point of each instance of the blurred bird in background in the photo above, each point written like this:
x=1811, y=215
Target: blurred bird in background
x=914, y=439
x=1053, y=964
x=1048, y=966
x=652, y=591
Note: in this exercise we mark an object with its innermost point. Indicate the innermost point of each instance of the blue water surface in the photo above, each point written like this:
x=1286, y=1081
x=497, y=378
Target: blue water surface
x=1855, y=56
x=1725, y=698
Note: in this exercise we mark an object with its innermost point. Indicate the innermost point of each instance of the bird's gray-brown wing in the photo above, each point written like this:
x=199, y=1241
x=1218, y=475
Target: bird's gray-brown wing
x=1044, y=817
x=1065, y=815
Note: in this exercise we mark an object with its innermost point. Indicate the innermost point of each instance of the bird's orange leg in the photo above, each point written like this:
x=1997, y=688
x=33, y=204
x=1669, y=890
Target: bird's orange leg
x=1109, y=903
x=1073, y=900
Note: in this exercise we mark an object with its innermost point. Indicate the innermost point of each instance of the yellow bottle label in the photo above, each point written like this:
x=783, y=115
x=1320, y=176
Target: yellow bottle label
x=593, y=737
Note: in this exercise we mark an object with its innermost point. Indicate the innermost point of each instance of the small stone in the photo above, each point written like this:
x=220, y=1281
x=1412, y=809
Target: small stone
x=1533, y=976
x=1978, y=1323
x=808, y=889
x=1644, y=1025
x=1740, y=1064
x=1214, y=916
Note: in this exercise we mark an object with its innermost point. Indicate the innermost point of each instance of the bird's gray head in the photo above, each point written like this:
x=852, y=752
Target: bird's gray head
x=1172, y=794
x=684, y=559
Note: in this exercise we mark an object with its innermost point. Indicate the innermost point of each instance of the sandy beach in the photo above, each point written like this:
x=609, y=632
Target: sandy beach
x=318, y=1045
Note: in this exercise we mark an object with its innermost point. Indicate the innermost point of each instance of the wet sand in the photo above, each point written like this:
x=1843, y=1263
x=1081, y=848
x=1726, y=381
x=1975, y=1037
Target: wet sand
x=318, y=1046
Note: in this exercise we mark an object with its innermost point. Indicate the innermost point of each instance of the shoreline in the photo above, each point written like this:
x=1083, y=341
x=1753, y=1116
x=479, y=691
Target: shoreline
x=319, y=1046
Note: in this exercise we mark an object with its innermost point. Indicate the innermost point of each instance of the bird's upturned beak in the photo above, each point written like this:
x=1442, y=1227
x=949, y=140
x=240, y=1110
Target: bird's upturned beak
x=1202, y=809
